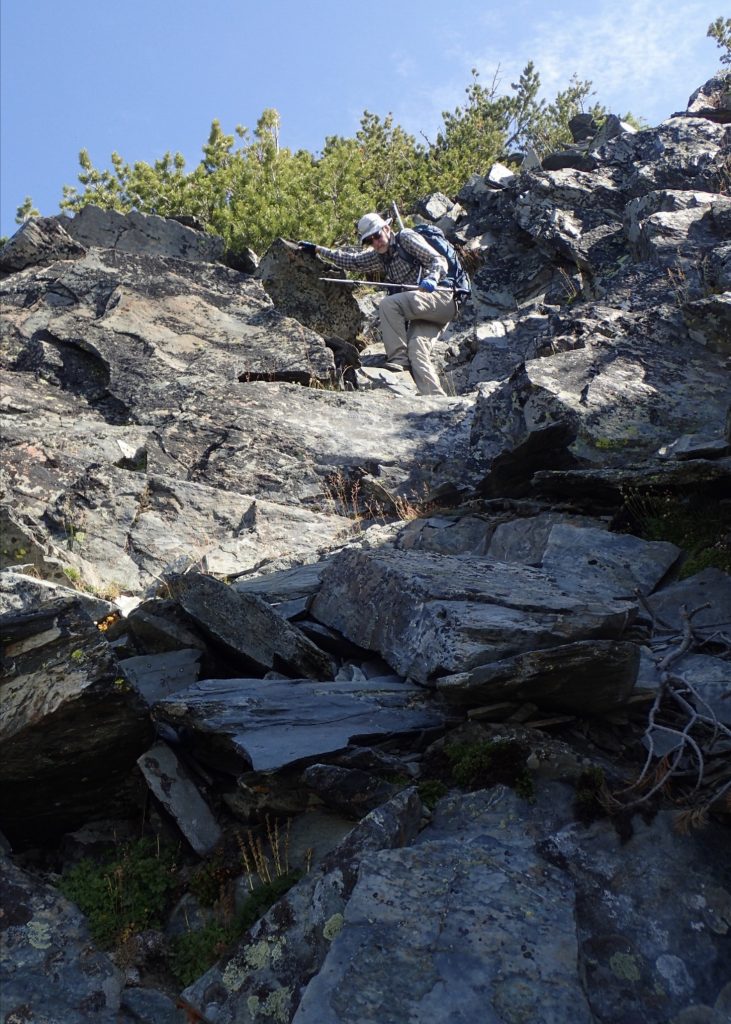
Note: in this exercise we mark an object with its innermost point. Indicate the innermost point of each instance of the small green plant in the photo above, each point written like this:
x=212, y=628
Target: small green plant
x=431, y=792
x=127, y=893
x=196, y=950
x=486, y=763
x=693, y=523
x=193, y=952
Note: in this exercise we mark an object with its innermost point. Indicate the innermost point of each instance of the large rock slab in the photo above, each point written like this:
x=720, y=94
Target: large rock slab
x=462, y=926
x=431, y=615
x=625, y=391
x=617, y=564
x=72, y=727
x=269, y=724
x=141, y=233
x=588, y=677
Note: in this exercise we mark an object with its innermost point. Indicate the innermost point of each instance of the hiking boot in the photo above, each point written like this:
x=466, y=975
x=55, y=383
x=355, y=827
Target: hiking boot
x=395, y=367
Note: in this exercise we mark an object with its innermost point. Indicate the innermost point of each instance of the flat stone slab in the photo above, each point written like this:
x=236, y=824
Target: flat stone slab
x=269, y=724
x=616, y=563
x=430, y=615
x=156, y=676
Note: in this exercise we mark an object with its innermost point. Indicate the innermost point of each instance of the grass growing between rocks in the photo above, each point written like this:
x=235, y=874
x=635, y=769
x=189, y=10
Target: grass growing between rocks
x=193, y=952
x=699, y=526
x=476, y=764
x=134, y=889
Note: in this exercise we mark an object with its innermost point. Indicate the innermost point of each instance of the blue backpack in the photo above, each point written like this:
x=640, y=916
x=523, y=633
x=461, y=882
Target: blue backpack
x=457, y=277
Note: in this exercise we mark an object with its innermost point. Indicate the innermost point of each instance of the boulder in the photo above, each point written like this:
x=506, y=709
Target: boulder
x=292, y=281
x=72, y=726
x=432, y=615
x=50, y=968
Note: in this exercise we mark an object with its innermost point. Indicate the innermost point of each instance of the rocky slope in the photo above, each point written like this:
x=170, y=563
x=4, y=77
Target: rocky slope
x=473, y=653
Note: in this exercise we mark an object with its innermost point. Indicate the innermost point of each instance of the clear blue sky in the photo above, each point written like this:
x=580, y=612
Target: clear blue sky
x=145, y=76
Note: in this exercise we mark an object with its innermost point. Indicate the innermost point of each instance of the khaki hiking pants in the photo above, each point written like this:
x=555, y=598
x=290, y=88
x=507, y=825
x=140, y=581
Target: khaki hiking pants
x=410, y=322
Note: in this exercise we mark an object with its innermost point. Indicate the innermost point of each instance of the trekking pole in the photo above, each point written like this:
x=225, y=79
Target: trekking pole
x=397, y=215
x=379, y=284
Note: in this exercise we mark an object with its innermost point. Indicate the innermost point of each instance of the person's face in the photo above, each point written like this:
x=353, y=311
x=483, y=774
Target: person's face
x=380, y=240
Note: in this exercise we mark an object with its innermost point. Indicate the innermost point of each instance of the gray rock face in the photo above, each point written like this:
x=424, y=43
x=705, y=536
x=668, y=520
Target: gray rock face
x=712, y=100
x=175, y=431
x=656, y=970
x=41, y=240
x=431, y=615
x=292, y=280
x=431, y=935
x=50, y=968
x=72, y=726
x=141, y=233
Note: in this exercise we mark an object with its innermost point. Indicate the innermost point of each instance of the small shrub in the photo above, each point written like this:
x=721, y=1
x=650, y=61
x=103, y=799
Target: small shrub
x=486, y=763
x=431, y=792
x=128, y=893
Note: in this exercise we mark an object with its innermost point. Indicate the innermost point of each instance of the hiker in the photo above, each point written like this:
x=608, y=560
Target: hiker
x=410, y=319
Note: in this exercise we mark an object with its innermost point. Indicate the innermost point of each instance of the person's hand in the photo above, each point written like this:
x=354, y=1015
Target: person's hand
x=309, y=247
x=427, y=285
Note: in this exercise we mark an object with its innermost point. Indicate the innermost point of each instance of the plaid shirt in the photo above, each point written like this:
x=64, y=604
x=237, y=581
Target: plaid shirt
x=393, y=265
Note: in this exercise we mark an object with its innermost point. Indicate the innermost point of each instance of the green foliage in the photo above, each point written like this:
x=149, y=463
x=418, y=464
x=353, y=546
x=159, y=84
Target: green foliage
x=486, y=763
x=692, y=522
x=250, y=189
x=125, y=894
x=195, y=951
x=26, y=211
x=720, y=30
x=431, y=792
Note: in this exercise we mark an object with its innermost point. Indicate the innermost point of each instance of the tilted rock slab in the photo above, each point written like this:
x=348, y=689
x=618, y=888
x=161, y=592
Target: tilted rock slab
x=430, y=615
x=267, y=724
x=248, y=628
x=71, y=728
x=588, y=677
x=292, y=280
